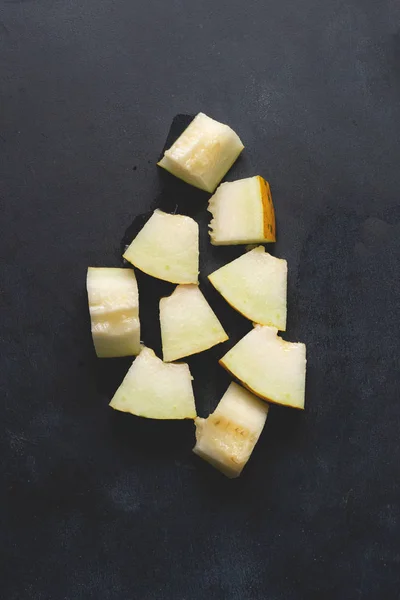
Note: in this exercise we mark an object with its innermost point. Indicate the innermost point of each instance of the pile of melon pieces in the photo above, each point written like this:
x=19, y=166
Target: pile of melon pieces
x=269, y=369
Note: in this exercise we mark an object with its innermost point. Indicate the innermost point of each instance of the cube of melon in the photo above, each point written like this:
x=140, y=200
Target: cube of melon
x=228, y=436
x=243, y=213
x=255, y=285
x=270, y=367
x=114, y=311
x=156, y=390
x=203, y=154
x=167, y=247
x=188, y=323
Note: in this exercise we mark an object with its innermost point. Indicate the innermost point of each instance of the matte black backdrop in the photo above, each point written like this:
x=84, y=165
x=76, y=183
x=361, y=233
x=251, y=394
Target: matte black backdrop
x=105, y=506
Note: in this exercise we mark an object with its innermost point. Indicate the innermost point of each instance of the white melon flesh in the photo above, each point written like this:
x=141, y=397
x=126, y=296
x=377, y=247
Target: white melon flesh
x=156, y=390
x=227, y=437
x=188, y=323
x=114, y=311
x=270, y=367
x=255, y=285
x=243, y=213
x=167, y=248
x=203, y=154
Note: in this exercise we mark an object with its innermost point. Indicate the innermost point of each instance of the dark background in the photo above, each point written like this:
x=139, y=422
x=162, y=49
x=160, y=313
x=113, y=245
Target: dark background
x=98, y=505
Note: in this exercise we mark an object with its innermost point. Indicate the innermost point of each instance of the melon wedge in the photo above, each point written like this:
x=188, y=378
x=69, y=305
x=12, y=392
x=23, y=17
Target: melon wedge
x=228, y=436
x=167, y=247
x=114, y=311
x=188, y=323
x=242, y=212
x=203, y=154
x=255, y=285
x=269, y=366
x=156, y=390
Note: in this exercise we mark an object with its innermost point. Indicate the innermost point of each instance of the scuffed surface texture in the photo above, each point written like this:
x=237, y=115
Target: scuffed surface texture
x=105, y=506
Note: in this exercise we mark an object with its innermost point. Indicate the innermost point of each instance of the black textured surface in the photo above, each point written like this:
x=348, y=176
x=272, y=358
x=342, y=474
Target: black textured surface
x=105, y=506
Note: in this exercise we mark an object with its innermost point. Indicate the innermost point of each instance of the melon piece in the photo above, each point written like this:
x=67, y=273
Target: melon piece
x=203, y=154
x=242, y=212
x=269, y=366
x=255, y=285
x=167, y=247
x=228, y=436
x=156, y=390
x=114, y=311
x=188, y=323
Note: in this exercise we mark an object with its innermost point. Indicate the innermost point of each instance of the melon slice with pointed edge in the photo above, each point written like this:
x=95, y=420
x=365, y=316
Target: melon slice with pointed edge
x=269, y=366
x=156, y=390
x=255, y=285
x=188, y=323
x=167, y=247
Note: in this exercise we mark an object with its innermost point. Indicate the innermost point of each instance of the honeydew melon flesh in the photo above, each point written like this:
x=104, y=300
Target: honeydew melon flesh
x=255, y=285
x=114, y=311
x=242, y=212
x=167, y=247
x=270, y=367
x=188, y=323
x=156, y=390
x=228, y=436
x=203, y=154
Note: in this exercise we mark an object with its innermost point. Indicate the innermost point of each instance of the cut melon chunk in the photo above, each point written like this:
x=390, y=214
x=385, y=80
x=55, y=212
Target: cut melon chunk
x=227, y=437
x=188, y=323
x=255, y=285
x=156, y=390
x=273, y=369
x=203, y=154
x=114, y=311
x=167, y=248
x=243, y=213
